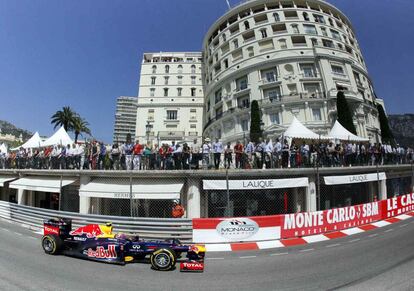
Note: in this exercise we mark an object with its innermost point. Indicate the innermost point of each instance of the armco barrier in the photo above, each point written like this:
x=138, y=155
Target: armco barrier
x=149, y=228
x=262, y=228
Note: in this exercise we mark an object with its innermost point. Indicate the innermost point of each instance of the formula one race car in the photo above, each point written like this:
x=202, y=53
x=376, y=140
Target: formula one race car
x=98, y=243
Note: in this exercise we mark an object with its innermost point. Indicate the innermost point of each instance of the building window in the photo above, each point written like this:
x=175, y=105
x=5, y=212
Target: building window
x=167, y=69
x=171, y=114
x=246, y=25
x=152, y=80
x=331, y=22
x=226, y=63
x=193, y=80
x=152, y=92
x=305, y=16
x=269, y=76
x=179, y=91
x=324, y=32
x=224, y=37
x=217, y=96
x=314, y=41
x=236, y=43
x=274, y=118
x=208, y=105
x=310, y=29
x=165, y=92
x=295, y=28
x=193, y=92
x=308, y=70
x=180, y=69
x=154, y=69
x=316, y=112
x=328, y=43
x=243, y=102
x=319, y=18
x=272, y=94
x=193, y=125
x=193, y=69
x=276, y=17
x=250, y=51
x=180, y=80
x=245, y=125
x=263, y=32
x=282, y=43
x=312, y=89
x=336, y=35
x=241, y=83
x=337, y=70
x=166, y=80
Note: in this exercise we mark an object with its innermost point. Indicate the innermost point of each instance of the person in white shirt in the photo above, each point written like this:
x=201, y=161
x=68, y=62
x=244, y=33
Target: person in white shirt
x=195, y=154
x=217, y=151
x=268, y=153
x=206, y=149
x=277, y=154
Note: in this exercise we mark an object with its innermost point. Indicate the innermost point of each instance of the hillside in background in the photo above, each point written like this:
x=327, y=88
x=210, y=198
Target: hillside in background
x=8, y=128
x=402, y=126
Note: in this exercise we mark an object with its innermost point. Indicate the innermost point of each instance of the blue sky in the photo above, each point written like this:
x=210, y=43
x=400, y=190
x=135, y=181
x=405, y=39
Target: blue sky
x=86, y=53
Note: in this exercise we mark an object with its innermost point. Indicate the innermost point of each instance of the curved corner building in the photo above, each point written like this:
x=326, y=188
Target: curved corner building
x=292, y=57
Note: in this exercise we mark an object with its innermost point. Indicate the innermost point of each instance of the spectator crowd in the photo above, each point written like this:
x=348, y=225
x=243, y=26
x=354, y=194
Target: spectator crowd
x=208, y=155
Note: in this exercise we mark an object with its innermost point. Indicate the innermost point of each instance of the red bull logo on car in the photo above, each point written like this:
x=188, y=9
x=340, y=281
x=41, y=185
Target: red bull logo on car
x=91, y=230
x=102, y=253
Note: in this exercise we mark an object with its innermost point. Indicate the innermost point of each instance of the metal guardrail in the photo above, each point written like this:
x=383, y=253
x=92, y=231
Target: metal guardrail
x=148, y=228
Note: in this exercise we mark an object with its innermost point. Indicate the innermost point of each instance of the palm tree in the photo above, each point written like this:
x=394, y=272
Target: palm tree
x=64, y=118
x=80, y=126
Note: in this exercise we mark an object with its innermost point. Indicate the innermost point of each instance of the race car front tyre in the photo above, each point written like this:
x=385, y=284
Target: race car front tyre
x=52, y=244
x=163, y=259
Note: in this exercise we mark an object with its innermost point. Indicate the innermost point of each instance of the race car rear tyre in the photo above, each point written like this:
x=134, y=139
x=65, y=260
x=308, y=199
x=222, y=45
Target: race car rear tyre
x=163, y=259
x=52, y=244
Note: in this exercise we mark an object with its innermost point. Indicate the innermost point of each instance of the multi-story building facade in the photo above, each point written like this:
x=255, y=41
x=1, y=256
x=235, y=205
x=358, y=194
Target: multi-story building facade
x=292, y=56
x=170, y=99
x=125, y=118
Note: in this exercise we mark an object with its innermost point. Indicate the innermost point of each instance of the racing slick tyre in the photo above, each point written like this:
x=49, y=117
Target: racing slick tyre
x=163, y=259
x=52, y=244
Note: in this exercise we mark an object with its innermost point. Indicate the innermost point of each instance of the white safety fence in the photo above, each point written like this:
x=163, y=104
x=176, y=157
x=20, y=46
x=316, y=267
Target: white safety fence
x=148, y=228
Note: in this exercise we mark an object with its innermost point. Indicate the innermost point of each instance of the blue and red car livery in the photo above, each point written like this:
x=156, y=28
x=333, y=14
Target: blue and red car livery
x=99, y=243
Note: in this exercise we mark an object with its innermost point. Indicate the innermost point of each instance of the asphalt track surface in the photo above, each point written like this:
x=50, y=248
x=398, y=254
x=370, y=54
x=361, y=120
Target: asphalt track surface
x=381, y=259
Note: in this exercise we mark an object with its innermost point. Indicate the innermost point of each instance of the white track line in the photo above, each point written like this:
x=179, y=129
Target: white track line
x=269, y=244
x=373, y=235
x=210, y=259
x=351, y=231
x=355, y=240
x=404, y=225
x=381, y=223
x=247, y=257
x=333, y=245
x=388, y=230
x=278, y=254
x=306, y=250
x=315, y=238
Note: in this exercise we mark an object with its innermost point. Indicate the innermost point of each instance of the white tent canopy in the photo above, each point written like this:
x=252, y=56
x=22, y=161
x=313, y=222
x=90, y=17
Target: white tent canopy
x=297, y=130
x=341, y=133
x=3, y=148
x=33, y=142
x=60, y=137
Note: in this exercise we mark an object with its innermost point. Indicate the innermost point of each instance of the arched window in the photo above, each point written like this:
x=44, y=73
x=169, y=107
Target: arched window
x=305, y=16
x=276, y=17
x=154, y=69
x=167, y=69
x=246, y=25
x=180, y=69
x=282, y=43
x=193, y=69
x=331, y=22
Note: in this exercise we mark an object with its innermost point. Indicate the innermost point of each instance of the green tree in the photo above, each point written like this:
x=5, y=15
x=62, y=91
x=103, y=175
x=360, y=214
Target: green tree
x=386, y=133
x=255, y=130
x=64, y=117
x=80, y=125
x=344, y=113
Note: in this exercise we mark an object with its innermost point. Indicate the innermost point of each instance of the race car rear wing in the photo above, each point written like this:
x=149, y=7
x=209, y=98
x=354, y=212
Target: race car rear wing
x=57, y=226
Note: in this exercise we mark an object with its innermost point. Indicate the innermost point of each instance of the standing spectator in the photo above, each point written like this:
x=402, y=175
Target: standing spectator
x=285, y=154
x=217, y=151
x=115, y=156
x=277, y=154
x=2, y=160
x=304, y=151
x=268, y=159
x=137, y=154
x=259, y=154
x=238, y=151
x=228, y=153
x=129, y=147
x=293, y=153
x=249, y=151
x=185, y=157
x=177, y=155
x=206, y=149
x=101, y=157
x=195, y=155
x=94, y=155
